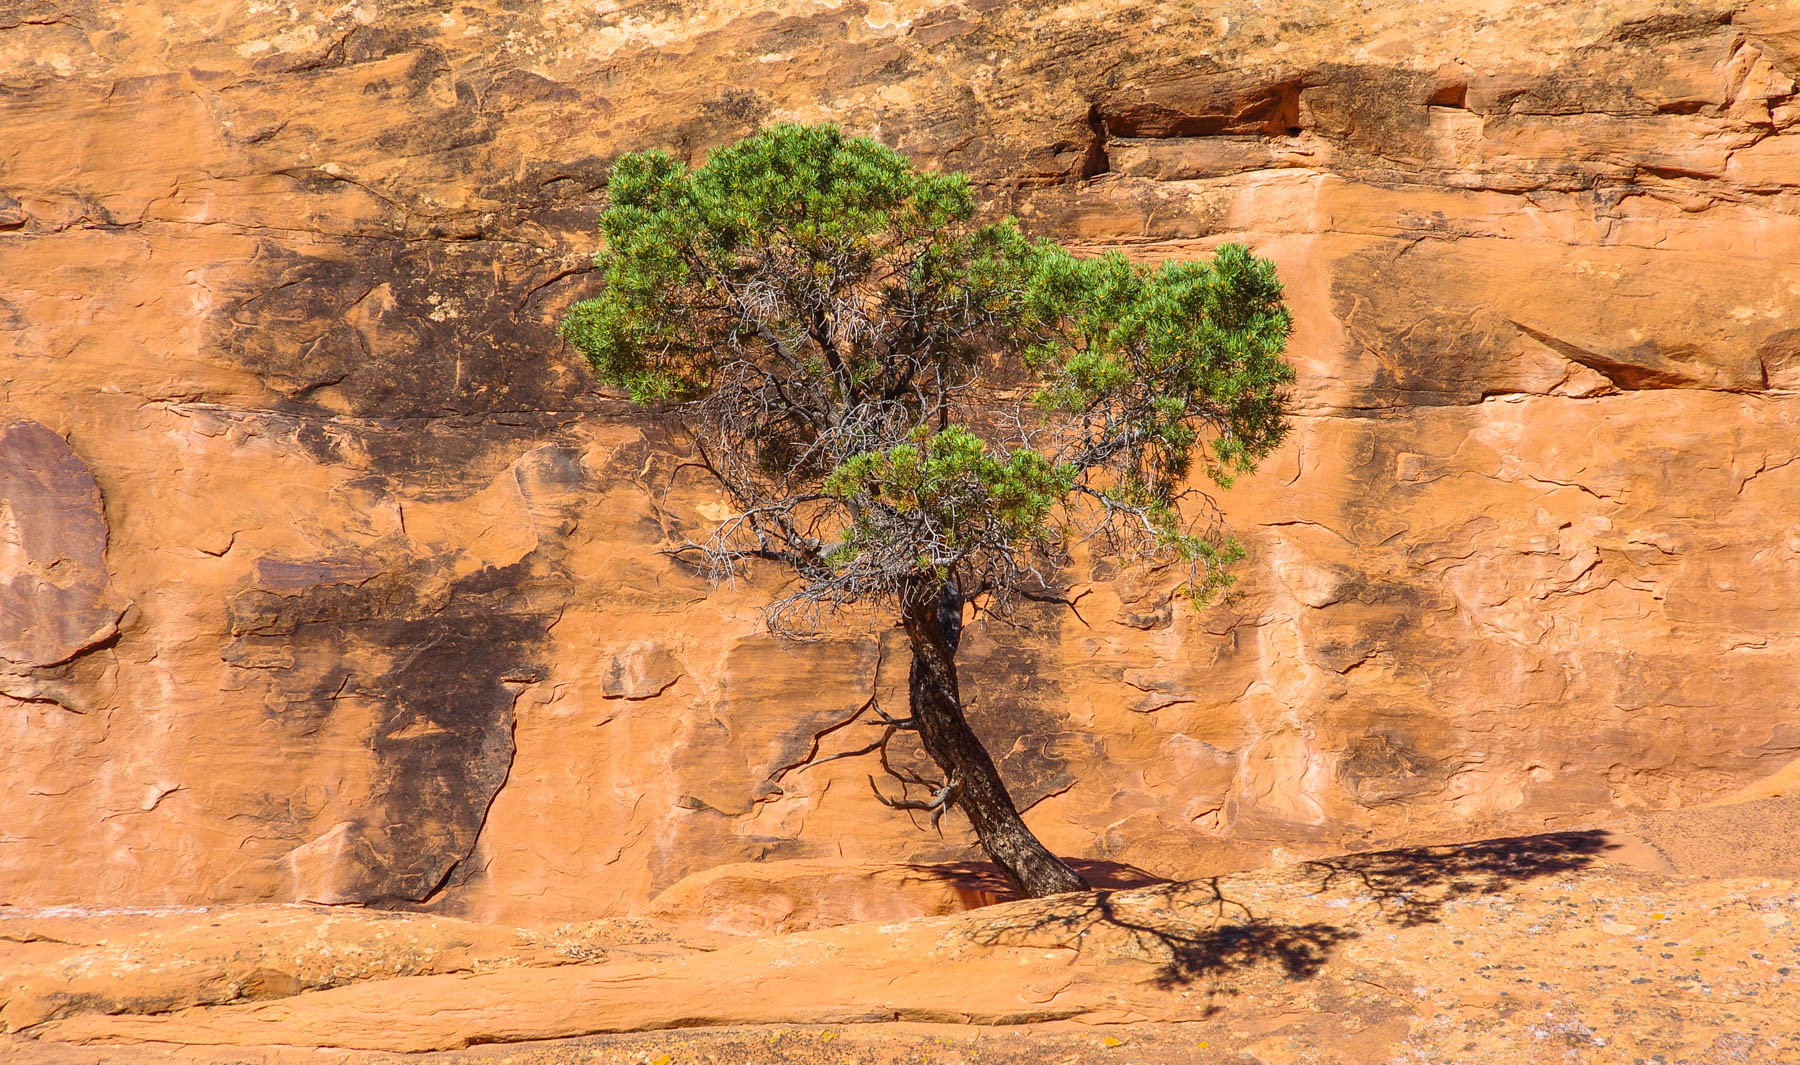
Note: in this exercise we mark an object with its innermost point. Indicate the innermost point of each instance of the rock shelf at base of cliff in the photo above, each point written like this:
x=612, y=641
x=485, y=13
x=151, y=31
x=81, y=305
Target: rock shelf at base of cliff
x=1667, y=934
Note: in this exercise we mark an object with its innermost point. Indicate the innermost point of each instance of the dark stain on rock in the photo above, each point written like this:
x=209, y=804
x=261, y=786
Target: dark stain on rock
x=1205, y=103
x=347, y=45
x=448, y=745
x=56, y=609
x=1016, y=704
x=1666, y=26
x=403, y=329
x=1779, y=356
x=1384, y=766
x=1421, y=352
x=378, y=649
x=276, y=575
x=433, y=678
x=730, y=116
x=1366, y=618
x=1383, y=110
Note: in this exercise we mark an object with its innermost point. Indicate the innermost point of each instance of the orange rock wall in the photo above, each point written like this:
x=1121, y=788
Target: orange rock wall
x=326, y=575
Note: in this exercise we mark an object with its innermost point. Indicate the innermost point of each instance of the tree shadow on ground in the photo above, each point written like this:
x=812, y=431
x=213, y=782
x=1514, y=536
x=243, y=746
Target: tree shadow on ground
x=1195, y=929
x=982, y=883
x=1411, y=886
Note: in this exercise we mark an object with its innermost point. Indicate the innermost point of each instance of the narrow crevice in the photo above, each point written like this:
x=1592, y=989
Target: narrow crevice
x=1096, y=161
x=41, y=699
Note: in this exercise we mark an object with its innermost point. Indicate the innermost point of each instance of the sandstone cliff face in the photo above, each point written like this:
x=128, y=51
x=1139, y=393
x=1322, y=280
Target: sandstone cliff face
x=325, y=575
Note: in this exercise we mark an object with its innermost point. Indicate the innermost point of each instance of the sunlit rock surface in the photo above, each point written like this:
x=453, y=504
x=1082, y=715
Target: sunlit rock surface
x=1669, y=935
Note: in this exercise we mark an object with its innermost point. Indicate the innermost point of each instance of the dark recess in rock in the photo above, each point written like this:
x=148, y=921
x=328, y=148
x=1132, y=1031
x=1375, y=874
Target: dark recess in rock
x=1206, y=105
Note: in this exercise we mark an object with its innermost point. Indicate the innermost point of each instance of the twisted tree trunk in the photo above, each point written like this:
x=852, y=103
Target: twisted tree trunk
x=932, y=618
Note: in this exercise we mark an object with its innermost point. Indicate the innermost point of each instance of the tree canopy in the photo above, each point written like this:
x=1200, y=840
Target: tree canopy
x=908, y=406
x=836, y=330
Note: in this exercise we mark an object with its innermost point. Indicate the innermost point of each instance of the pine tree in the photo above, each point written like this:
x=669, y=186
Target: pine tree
x=911, y=410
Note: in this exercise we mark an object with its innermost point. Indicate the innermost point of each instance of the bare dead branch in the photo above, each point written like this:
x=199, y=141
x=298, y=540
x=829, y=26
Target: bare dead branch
x=936, y=805
x=1045, y=597
x=860, y=751
x=906, y=723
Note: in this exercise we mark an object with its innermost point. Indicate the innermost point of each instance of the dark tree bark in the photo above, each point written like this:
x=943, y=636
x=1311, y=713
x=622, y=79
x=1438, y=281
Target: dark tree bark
x=933, y=622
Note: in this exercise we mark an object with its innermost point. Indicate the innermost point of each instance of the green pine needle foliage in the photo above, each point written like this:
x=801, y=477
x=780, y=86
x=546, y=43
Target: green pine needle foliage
x=891, y=392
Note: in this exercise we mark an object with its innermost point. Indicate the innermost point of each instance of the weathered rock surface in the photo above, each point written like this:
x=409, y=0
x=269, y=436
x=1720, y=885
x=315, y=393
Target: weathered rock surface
x=769, y=898
x=1581, y=946
x=326, y=576
x=54, y=605
x=61, y=964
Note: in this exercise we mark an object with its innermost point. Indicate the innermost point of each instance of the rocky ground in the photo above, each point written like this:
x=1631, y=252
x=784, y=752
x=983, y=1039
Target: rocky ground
x=1666, y=938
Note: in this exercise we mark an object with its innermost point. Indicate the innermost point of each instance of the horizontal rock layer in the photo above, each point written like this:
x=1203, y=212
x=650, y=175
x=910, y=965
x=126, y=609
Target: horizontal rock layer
x=328, y=576
x=1593, y=946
